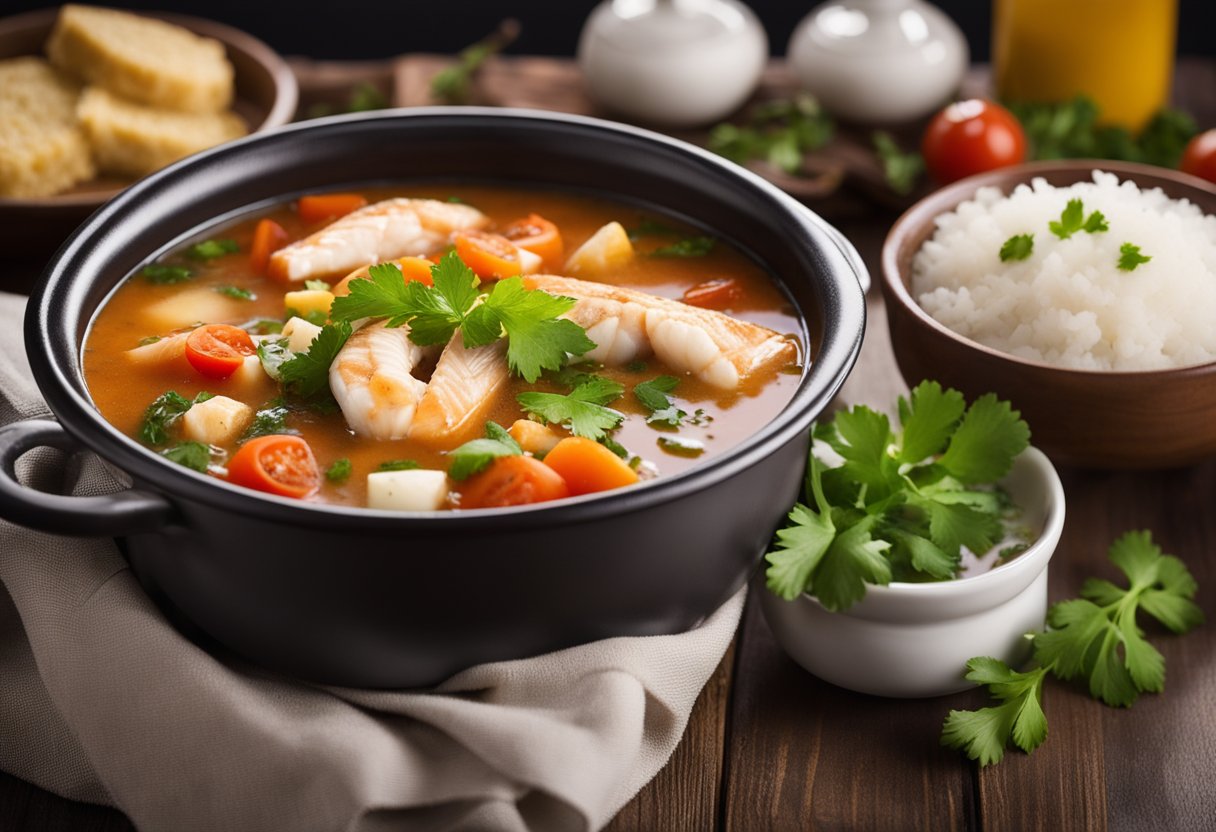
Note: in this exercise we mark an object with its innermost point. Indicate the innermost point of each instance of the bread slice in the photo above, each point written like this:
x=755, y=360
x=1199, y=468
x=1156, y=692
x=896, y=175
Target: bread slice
x=131, y=139
x=148, y=61
x=42, y=148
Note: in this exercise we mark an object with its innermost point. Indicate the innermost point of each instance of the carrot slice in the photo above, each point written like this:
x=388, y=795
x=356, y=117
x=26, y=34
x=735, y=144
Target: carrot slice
x=218, y=350
x=537, y=235
x=276, y=464
x=268, y=238
x=720, y=293
x=512, y=481
x=588, y=466
x=488, y=255
x=319, y=207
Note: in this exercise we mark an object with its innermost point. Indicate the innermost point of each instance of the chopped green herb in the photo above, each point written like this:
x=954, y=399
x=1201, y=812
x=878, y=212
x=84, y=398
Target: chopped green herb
x=307, y=373
x=1096, y=222
x=700, y=418
x=211, y=249
x=161, y=274
x=779, y=132
x=164, y=411
x=614, y=446
x=316, y=317
x=681, y=446
x=636, y=367
x=1017, y=247
x=582, y=411
x=898, y=506
x=236, y=292
x=317, y=285
x=340, y=471
x=193, y=455
x=983, y=734
x=1072, y=219
x=688, y=247
x=455, y=200
x=475, y=456
x=270, y=419
x=398, y=465
x=151, y=339
x=365, y=97
x=274, y=353
x=653, y=396
x=901, y=169
x=453, y=85
x=264, y=326
x=651, y=228
x=1130, y=257
x=1008, y=553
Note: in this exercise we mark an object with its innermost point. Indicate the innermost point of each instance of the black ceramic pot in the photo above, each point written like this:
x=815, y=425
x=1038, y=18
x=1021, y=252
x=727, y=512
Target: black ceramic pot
x=367, y=598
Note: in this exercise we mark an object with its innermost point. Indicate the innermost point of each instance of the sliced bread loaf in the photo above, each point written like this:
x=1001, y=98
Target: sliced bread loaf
x=42, y=148
x=146, y=60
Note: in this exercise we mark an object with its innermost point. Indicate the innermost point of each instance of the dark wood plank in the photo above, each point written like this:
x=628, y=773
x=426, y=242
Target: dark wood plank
x=685, y=794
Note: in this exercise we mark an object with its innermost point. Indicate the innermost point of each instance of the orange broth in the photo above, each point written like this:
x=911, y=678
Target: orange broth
x=122, y=391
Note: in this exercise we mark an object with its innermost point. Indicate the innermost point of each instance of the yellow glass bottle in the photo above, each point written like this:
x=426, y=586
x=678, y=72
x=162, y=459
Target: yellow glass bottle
x=1120, y=53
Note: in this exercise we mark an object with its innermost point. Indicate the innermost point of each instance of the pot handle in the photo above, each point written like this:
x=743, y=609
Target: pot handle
x=118, y=514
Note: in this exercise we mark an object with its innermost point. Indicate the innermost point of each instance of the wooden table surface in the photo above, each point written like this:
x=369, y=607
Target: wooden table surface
x=770, y=747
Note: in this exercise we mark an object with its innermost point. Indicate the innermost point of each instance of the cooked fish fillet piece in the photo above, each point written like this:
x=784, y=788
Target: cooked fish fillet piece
x=626, y=324
x=462, y=390
x=380, y=231
x=372, y=379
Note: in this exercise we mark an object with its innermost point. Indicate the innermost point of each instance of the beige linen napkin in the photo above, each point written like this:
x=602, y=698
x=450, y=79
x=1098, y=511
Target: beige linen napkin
x=102, y=701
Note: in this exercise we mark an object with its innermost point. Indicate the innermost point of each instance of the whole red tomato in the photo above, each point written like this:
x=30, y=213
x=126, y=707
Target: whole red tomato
x=971, y=137
x=1199, y=158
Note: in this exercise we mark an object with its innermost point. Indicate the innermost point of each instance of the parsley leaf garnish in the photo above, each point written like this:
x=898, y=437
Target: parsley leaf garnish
x=537, y=339
x=306, y=374
x=274, y=353
x=653, y=396
x=475, y=456
x=983, y=734
x=236, y=292
x=651, y=228
x=897, y=507
x=688, y=247
x=210, y=249
x=583, y=411
x=317, y=286
x=1096, y=222
x=161, y=274
x=194, y=455
x=163, y=413
x=1017, y=247
x=340, y=471
x=1087, y=633
x=1072, y=219
x=1130, y=257
x=681, y=446
x=398, y=465
x=270, y=419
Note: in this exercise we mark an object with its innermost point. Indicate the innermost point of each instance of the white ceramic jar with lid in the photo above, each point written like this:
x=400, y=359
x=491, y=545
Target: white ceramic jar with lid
x=672, y=63
x=879, y=61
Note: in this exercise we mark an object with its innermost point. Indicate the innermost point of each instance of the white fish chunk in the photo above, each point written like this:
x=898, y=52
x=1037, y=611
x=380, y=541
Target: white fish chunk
x=461, y=392
x=627, y=324
x=380, y=231
x=372, y=380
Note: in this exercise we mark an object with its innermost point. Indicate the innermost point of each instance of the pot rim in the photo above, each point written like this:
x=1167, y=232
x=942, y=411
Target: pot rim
x=842, y=309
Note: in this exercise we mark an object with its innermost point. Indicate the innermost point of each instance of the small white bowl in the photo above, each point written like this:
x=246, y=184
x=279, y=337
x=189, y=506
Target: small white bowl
x=914, y=639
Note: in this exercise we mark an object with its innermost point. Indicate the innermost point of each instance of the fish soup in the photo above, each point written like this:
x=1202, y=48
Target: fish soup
x=442, y=348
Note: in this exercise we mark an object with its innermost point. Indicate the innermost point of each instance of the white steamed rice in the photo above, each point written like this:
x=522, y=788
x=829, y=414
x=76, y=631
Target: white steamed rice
x=1069, y=304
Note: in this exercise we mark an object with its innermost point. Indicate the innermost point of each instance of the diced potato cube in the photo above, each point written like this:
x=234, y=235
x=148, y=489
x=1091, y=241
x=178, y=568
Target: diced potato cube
x=533, y=437
x=415, y=490
x=190, y=306
x=169, y=348
x=306, y=301
x=608, y=249
x=217, y=421
x=250, y=372
x=529, y=263
x=300, y=334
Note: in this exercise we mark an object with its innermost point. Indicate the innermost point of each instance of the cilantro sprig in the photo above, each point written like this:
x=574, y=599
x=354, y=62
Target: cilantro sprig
x=538, y=338
x=584, y=410
x=1017, y=247
x=475, y=456
x=1130, y=257
x=1095, y=637
x=164, y=412
x=1073, y=219
x=306, y=374
x=898, y=506
x=652, y=393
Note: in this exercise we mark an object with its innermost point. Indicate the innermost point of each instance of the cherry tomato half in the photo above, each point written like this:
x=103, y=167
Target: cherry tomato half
x=488, y=255
x=537, y=235
x=218, y=350
x=276, y=464
x=718, y=293
x=512, y=481
x=1199, y=158
x=319, y=207
x=969, y=137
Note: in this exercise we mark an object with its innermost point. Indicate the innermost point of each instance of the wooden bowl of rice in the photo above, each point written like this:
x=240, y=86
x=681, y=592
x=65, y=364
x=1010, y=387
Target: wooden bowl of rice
x=1111, y=368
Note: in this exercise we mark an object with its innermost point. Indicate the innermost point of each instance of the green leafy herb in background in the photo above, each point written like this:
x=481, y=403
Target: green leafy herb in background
x=1017, y=247
x=236, y=292
x=688, y=247
x=897, y=506
x=211, y=249
x=902, y=170
x=162, y=274
x=1095, y=637
x=1130, y=257
x=453, y=85
x=779, y=132
x=363, y=97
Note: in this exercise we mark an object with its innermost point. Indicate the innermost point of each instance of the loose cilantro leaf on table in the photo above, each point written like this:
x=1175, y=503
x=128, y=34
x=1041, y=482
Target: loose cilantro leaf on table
x=307, y=373
x=583, y=410
x=897, y=506
x=162, y=274
x=653, y=396
x=779, y=132
x=340, y=471
x=1017, y=247
x=473, y=457
x=211, y=249
x=164, y=412
x=983, y=734
x=901, y=169
x=1130, y=257
x=1096, y=635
